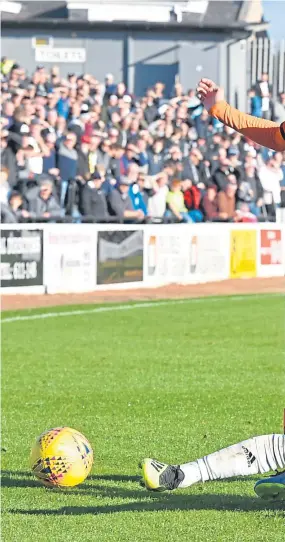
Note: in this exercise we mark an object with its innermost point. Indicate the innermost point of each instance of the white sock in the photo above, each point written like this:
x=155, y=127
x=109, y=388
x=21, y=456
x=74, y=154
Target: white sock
x=255, y=455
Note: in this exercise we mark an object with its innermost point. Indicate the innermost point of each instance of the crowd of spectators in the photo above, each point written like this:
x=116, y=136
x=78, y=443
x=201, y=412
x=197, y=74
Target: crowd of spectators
x=80, y=150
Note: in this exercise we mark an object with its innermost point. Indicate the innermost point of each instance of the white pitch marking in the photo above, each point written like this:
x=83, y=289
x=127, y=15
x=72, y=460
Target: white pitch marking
x=112, y=308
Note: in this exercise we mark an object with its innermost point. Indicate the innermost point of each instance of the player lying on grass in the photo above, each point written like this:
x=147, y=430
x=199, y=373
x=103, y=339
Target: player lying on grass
x=253, y=456
x=265, y=132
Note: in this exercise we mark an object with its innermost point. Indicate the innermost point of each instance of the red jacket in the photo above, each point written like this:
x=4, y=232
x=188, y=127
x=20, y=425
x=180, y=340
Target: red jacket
x=192, y=198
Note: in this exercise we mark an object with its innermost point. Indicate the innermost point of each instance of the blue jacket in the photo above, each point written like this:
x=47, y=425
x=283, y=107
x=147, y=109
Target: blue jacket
x=256, y=106
x=62, y=107
x=137, y=199
x=49, y=162
x=67, y=162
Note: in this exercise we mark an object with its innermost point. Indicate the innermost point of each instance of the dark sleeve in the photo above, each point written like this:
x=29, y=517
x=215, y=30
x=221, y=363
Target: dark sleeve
x=86, y=201
x=116, y=204
x=219, y=179
x=54, y=207
x=259, y=187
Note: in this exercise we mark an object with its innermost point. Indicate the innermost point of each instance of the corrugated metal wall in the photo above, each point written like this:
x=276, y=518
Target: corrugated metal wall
x=267, y=56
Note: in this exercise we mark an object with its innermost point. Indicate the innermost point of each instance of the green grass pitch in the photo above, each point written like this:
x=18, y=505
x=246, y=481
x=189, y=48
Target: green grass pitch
x=175, y=382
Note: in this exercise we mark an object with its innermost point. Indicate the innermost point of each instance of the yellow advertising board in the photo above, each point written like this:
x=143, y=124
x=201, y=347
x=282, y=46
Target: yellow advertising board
x=243, y=254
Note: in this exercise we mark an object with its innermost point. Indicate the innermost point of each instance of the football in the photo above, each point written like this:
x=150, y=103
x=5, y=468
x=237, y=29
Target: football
x=61, y=457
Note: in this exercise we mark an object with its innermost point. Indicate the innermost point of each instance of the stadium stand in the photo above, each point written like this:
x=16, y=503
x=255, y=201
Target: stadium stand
x=82, y=150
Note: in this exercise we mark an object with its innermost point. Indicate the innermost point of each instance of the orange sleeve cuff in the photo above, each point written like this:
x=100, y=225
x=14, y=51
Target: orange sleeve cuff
x=264, y=132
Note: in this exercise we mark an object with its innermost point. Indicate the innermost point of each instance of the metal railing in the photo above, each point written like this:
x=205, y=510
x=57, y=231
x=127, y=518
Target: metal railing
x=267, y=56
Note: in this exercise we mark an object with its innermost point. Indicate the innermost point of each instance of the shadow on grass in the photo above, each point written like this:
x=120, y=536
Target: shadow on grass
x=26, y=479
x=176, y=502
x=144, y=501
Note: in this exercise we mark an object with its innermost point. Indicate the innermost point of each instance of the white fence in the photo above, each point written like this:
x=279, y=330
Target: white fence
x=68, y=258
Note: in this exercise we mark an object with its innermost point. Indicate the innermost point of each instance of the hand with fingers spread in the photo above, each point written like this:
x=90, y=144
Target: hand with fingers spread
x=209, y=93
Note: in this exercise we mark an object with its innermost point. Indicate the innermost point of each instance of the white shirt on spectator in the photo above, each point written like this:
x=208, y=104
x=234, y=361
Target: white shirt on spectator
x=35, y=163
x=157, y=203
x=270, y=180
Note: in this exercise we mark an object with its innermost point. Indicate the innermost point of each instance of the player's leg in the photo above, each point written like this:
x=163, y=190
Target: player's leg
x=256, y=455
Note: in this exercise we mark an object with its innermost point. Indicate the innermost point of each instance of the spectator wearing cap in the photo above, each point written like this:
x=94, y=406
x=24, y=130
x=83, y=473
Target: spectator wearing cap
x=44, y=205
x=67, y=160
x=94, y=203
x=177, y=210
x=7, y=158
x=121, y=205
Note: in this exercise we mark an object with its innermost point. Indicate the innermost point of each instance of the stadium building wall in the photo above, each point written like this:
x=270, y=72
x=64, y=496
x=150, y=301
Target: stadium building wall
x=139, y=57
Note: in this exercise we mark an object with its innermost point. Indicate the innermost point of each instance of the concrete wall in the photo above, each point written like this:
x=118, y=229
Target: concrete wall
x=140, y=57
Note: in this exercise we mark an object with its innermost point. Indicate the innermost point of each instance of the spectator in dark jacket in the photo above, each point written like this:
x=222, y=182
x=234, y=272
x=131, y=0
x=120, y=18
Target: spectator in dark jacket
x=14, y=211
x=155, y=158
x=150, y=112
x=128, y=157
x=221, y=174
x=49, y=158
x=121, y=205
x=8, y=158
x=94, y=202
x=67, y=160
x=192, y=168
x=44, y=205
x=250, y=191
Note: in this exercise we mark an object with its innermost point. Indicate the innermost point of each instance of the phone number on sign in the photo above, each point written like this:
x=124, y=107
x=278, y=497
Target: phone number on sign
x=18, y=270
